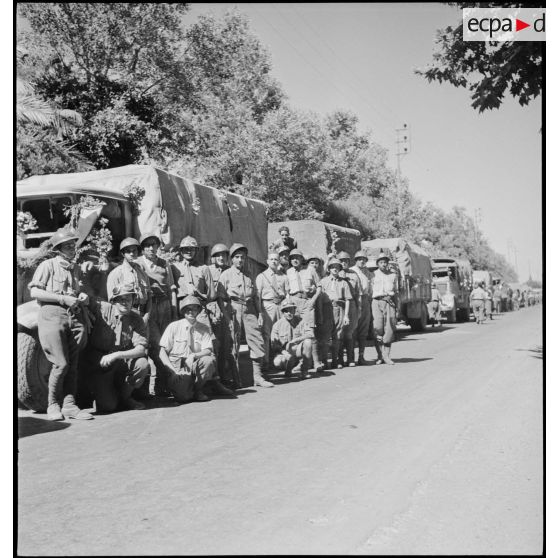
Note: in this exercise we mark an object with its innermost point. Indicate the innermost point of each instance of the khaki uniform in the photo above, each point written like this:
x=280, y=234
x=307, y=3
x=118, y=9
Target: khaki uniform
x=346, y=341
x=384, y=288
x=282, y=333
x=365, y=307
x=131, y=274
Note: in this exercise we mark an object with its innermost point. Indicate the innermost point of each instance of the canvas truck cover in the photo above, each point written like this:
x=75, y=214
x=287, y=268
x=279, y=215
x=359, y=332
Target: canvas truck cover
x=172, y=206
x=316, y=237
x=411, y=259
x=482, y=275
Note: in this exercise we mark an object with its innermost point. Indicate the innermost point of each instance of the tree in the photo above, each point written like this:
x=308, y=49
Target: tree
x=488, y=69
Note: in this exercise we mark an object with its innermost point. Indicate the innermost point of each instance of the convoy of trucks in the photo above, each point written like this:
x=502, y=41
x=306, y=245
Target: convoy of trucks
x=454, y=280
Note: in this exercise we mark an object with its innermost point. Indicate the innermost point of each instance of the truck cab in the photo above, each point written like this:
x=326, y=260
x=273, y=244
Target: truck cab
x=453, y=283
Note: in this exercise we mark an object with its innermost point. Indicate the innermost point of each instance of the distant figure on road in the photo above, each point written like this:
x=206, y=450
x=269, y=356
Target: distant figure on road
x=434, y=306
x=478, y=296
x=497, y=299
x=488, y=302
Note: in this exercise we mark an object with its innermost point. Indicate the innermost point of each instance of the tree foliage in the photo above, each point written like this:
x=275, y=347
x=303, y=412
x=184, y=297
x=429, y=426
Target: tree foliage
x=489, y=70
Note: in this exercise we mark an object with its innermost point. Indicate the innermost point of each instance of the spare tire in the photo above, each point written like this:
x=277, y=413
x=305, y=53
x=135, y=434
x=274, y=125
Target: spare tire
x=33, y=370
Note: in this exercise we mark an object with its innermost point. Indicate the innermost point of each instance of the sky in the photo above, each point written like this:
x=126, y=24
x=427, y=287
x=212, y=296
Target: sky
x=361, y=57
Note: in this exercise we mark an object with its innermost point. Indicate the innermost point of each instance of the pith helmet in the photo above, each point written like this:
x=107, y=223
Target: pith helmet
x=219, y=248
x=189, y=300
x=188, y=242
x=283, y=249
x=61, y=236
x=287, y=304
x=361, y=254
x=145, y=236
x=236, y=247
x=121, y=290
x=127, y=242
x=382, y=256
x=334, y=261
x=314, y=257
x=343, y=256
x=296, y=252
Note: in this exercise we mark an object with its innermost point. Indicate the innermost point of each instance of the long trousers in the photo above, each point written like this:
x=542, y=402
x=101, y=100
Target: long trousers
x=488, y=308
x=62, y=335
x=271, y=312
x=159, y=319
x=361, y=331
x=478, y=309
x=108, y=386
x=221, y=325
x=306, y=309
x=385, y=321
x=245, y=317
x=183, y=382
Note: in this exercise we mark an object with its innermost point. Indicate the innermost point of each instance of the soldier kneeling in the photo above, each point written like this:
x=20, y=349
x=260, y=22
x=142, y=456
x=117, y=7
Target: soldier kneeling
x=114, y=363
x=187, y=352
x=291, y=340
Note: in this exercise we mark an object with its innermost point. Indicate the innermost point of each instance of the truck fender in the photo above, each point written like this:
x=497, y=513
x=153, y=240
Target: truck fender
x=28, y=316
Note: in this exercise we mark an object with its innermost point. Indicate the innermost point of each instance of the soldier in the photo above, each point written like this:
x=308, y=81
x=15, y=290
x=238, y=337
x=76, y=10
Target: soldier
x=291, y=341
x=337, y=296
x=187, y=352
x=488, y=301
x=162, y=279
x=272, y=286
x=114, y=363
x=62, y=323
x=131, y=273
x=285, y=239
x=245, y=303
x=284, y=263
x=220, y=312
x=434, y=305
x=304, y=290
x=352, y=278
x=478, y=296
x=384, y=287
x=497, y=298
x=365, y=304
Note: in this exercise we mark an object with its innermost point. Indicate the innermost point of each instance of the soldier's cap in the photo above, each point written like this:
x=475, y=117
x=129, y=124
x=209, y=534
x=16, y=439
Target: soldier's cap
x=188, y=242
x=314, y=257
x=188, y=300
x=361, y=254
x=122, y=290
x=237, y=247
x=63, y=235
x=218, y=248
x=283, y=249
x=343, y=255
x=287, y=303
x=296, y=252
x=334, y=261
x=382, y=256
x=127, y=242
x=145, y=236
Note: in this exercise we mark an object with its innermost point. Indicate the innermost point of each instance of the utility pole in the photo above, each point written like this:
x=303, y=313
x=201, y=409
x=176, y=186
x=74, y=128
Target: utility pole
x=478, y=219
x=402, y=146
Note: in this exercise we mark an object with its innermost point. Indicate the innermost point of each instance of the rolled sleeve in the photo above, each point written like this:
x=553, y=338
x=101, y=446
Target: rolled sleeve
x=41, y=276
x=167, y=339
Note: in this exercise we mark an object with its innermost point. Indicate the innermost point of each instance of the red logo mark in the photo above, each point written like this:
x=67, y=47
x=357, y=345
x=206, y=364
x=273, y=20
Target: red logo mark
x=519, y=25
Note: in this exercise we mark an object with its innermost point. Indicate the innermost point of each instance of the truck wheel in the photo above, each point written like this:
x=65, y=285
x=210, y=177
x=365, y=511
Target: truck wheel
x=452, y=316
x=33, y=370
x=463, y=315
x=419, y=324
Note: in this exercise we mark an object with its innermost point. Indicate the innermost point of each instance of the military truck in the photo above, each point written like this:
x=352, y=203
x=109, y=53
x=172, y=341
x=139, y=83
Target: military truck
x=316, y=237
x=454, y=280
x=413, y=267
x=482, y=276
x=137, y=199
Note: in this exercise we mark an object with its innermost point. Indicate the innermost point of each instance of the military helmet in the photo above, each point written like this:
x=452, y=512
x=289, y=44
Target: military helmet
x=236, y=247
x=361, y=254
x=188, y=242
x=127, y=242
x=287, y=303
x=188, y=300
x=314, y=257
x=283, y=249
x=296, y=252
x=343, y=255
x=219, y=248
x=145, y=236
x=63, y=235
x=334, y=261
x=121, y=290
x=382, y=256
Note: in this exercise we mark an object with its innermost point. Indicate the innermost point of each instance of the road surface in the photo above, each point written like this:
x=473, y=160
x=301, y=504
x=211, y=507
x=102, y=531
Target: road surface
x=440, y=454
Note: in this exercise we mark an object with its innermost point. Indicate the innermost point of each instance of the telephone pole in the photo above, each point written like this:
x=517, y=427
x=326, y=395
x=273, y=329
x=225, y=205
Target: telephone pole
x=402, y=146
x=478, y=219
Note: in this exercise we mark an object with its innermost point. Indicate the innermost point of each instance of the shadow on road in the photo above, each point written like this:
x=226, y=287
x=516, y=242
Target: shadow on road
x=29, y=426
x=403, y=360
x=403, y=333
x=537, y=352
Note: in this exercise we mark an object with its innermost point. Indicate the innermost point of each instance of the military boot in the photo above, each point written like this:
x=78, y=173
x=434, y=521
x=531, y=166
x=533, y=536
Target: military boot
x=259, y=380
x=386, y=353
x=71, y=410
x=318, y=364
x=378, y=345
x=350, y=353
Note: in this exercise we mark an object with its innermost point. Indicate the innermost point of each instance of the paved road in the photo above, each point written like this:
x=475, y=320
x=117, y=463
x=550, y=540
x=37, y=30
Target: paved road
x=439, y=454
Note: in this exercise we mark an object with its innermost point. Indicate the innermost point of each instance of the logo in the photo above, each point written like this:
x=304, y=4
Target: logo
x=504, y=24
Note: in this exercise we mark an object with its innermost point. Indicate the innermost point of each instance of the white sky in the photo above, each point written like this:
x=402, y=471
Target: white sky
x=361, y=57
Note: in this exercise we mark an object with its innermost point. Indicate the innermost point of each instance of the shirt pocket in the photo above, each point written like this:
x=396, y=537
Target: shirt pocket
x=180, y=347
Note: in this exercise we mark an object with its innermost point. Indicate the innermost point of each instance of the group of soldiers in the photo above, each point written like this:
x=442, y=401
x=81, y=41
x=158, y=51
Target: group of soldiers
x=188, y=318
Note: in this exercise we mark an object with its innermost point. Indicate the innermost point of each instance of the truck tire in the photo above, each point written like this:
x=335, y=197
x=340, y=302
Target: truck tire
x=420, y=324
x=452, y=315
x=33, y=370
x=464, y=315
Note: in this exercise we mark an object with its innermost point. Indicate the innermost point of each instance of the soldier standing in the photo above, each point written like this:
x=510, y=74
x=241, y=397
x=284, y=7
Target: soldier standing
x=384, y=287
x=272, y=286
x=245, y=303
x=434, y=305
x=57, y=287
x=478, y=296
x=488, y=301
x=162, y=280
x=337, y=296
x=352, y=278
x=284, y=263
x=365, y=304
